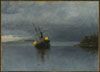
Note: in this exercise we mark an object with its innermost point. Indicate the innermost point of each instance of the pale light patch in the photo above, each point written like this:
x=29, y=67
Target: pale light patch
x=46, y=38
x=7, y=38
x=35, y=42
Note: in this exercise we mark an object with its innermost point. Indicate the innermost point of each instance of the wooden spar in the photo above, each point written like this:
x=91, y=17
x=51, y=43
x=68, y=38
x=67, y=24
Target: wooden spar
x=36, y=30
x=41, y=34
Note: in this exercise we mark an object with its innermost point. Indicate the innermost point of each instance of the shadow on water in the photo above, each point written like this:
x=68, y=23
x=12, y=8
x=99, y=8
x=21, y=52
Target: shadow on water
x=42, y=52
x=92, y=49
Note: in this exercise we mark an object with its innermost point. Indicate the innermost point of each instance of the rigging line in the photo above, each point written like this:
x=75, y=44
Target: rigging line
x=36, y=30
x=41, y=33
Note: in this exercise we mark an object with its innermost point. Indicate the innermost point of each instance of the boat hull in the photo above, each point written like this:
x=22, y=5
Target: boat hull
x=43, y=45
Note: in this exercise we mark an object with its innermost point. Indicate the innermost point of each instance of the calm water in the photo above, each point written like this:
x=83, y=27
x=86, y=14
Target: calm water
x=61, y=56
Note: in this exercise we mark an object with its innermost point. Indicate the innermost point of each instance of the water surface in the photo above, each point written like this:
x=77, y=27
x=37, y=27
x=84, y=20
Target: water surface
x=61, y=56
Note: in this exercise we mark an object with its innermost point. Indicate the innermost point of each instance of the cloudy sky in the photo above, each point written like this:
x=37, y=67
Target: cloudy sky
x=18, y=15
x=50, y=12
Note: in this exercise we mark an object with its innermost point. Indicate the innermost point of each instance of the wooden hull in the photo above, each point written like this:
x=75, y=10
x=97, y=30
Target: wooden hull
x=42, y=43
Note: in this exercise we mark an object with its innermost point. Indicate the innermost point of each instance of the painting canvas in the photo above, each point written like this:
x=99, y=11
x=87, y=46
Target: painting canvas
x=49, y=35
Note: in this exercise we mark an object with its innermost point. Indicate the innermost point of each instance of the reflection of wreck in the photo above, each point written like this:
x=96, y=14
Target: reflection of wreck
x=41, y=40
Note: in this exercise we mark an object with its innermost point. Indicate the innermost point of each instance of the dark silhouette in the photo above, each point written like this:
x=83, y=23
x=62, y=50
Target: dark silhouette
x=90, y=42
x=42, y=51
x=42, y=44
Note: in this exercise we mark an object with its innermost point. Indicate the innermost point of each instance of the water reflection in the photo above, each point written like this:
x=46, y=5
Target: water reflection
x=91, y=49
x=43, y=52
x=60, y=57
x=44, y=49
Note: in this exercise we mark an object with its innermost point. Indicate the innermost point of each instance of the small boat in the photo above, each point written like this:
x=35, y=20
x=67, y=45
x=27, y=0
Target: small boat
x=43, y=41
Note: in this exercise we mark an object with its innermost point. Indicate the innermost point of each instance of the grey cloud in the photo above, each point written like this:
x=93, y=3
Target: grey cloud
x=58, y=18
x=51, y=13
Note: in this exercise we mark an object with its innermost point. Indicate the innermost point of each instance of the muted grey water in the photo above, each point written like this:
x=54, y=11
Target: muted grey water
x=60, y=57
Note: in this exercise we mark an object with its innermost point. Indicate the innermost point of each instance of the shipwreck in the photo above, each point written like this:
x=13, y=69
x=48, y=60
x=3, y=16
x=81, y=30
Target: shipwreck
x=42, y=41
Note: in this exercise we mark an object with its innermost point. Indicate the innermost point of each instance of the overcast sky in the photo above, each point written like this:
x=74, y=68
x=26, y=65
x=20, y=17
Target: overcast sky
x=17, y=18
x=48, y=12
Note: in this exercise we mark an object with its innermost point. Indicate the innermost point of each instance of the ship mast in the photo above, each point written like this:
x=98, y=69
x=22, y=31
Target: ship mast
x=41, y=34
x=38, y=32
